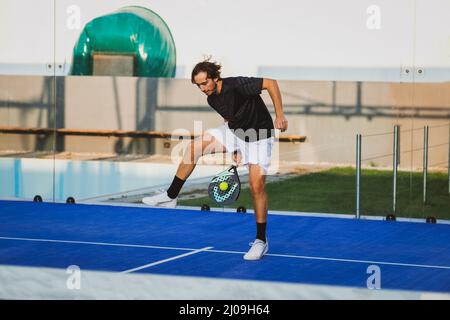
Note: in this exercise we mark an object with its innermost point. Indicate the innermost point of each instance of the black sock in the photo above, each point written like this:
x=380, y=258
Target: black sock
x=175, y=187
x=261, y=231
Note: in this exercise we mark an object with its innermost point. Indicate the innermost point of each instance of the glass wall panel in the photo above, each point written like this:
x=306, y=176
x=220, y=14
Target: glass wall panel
x=27, y=99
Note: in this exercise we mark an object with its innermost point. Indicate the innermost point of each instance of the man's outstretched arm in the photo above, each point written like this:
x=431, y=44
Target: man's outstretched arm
x=274, y=91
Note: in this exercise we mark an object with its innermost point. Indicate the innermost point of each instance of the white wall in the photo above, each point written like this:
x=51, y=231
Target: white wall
x=285, y=39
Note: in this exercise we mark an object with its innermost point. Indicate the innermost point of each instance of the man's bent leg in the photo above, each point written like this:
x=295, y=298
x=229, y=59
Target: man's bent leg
x=206, y=144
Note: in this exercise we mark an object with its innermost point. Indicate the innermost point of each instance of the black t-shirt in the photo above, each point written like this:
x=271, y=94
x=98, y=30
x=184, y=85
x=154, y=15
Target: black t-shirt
x=240, y=103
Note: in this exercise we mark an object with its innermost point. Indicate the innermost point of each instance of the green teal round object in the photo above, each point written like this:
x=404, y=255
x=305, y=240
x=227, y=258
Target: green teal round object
x=132, y=31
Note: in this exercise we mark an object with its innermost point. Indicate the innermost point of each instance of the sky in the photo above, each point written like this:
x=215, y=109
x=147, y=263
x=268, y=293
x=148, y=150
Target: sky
x=248, y=36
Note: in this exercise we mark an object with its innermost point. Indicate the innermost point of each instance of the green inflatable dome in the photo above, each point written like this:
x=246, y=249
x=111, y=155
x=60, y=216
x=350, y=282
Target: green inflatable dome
x=131, y=30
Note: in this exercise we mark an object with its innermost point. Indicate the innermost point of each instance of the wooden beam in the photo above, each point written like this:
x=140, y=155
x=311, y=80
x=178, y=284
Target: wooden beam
x=120, y=133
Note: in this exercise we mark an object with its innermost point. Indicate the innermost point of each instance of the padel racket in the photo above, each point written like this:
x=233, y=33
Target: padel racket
x=225, y=187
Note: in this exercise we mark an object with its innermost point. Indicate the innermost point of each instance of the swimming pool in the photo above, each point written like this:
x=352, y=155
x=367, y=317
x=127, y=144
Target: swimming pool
x=56, y=180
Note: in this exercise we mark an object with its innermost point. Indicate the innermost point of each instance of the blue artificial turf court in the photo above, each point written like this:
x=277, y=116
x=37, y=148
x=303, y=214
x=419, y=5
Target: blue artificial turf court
x=143, y=252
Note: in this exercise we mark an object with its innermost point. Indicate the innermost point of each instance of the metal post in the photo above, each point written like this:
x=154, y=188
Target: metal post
x=333, y=99
x=358, y=174
x=395, y=166
x=358, y=97
x=425, y=163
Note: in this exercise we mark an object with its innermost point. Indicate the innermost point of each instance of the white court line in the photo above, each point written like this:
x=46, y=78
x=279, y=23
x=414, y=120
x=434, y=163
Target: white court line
x=231, y=252
x=97, y=243
x=363, y=261
x=167, y=260
x=341, y=260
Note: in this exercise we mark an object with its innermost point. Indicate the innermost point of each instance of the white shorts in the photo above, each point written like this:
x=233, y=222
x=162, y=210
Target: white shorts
x=257, y=152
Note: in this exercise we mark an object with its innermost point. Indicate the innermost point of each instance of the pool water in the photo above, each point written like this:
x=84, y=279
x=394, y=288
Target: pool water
x=58, y=179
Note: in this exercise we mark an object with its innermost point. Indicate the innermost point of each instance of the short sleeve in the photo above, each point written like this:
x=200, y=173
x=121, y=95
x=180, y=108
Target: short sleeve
x=249, y=85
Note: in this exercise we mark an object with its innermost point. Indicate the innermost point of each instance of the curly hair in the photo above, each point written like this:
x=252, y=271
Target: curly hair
x=211, y=68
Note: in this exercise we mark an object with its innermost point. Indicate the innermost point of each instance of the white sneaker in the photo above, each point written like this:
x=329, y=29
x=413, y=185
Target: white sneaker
x=160, y=200
x=258, y=249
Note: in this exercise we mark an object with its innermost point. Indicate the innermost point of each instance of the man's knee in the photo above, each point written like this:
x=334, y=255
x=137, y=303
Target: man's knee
x=257, y=180
x=211, y=145
x=193, y=151
x=198, y=147
x=257, y=186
